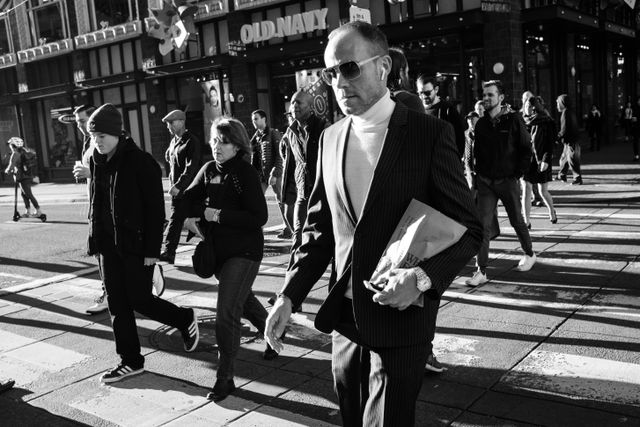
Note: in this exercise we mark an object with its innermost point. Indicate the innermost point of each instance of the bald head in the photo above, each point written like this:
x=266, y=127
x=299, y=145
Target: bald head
x=376, y=41
x=301, y=103
x=361, y=51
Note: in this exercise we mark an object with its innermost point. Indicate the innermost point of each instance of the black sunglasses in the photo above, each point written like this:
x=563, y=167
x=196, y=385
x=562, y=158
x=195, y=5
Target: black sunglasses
x=349, y=70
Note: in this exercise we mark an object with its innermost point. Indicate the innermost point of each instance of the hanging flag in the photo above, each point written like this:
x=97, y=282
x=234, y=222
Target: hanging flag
x=631, y=3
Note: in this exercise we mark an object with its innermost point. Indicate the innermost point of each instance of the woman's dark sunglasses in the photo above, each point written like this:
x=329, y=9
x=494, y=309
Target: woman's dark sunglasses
x=349, y=70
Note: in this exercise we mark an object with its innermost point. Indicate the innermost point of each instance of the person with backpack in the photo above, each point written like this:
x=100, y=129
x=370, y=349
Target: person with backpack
x=23, y=164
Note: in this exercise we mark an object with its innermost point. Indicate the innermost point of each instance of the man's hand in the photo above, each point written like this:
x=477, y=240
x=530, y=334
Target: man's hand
x=150, y=261
x=272, y=181
x=81, y=172
x=400, y=291
x=211, y=214
x=276, y=322
x=174, y=191
x=544, y=166
x=191, y=224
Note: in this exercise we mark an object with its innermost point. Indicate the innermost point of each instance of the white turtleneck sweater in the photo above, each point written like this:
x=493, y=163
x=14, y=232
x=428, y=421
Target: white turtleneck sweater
x=366, y=139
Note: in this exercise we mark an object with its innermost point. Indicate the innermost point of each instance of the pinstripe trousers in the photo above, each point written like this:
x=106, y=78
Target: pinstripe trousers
x=375, y=386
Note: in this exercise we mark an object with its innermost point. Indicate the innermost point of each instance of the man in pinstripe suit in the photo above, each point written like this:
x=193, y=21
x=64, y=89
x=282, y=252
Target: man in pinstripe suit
x=371, y=165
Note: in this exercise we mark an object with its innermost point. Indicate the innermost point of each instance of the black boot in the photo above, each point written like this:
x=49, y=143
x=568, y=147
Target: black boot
x=223, y=388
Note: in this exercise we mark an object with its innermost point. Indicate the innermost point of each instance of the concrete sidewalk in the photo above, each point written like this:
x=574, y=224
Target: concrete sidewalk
x=556, y=346
x=49, y=193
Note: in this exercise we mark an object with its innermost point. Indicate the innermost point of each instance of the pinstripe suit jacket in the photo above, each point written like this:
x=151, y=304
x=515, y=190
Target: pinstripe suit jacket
x=419, y=160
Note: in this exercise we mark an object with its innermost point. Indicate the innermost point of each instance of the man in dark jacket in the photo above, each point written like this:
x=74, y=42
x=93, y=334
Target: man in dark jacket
x=428, y=89
x=568, y=136
x=301, y=143
x=266, y=158
x=502, y=151
x=184, y=157
x=81, y=171
x=126, y=217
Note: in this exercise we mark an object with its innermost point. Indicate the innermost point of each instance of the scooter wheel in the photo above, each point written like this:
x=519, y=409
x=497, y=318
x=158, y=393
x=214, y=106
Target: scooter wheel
x=43, y=218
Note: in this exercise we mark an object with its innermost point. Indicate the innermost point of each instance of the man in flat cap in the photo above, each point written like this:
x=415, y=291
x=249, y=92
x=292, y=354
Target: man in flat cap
x=184, y=158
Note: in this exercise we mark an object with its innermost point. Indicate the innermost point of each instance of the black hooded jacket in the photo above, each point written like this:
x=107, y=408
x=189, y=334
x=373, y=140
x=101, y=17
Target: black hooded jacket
x=502, y=146
x=127, y=202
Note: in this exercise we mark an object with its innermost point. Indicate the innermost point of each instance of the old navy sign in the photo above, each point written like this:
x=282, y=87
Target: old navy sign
x=292, y=25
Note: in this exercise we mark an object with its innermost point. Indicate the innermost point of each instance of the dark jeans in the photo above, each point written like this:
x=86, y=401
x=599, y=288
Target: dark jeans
x=375, y=386
x=235, y=300
x=508, y=191
x=299, y=217
x=27, y=194
x=570, y=159
x=128, y=284
x=176, y=221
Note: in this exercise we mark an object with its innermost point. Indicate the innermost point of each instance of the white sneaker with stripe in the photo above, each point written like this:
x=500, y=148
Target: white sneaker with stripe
x=191, y=335
x=120, y=372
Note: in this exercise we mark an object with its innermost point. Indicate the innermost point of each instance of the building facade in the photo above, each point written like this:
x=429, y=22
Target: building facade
x=241, y=55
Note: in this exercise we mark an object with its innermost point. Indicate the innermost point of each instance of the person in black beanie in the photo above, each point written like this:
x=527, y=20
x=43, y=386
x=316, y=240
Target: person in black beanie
x=126, y=218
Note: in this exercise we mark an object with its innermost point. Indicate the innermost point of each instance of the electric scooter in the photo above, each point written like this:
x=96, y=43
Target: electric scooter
x=16, y=214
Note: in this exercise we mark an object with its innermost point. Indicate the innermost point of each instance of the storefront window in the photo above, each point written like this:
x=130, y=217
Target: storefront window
x=62, y=143
x=437, y=57
x=618, y=75
x=584, y=75
x=299, y=74
x=106, y=13
x=539, y=73
x=47, y=21
x=203, y=98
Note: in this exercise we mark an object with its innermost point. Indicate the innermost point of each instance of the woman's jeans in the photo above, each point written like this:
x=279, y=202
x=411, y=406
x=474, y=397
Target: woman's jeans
x=235, y=300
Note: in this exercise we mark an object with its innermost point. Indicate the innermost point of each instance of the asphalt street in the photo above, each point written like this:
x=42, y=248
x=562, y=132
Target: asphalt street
x=556, y=346
x=33, y=250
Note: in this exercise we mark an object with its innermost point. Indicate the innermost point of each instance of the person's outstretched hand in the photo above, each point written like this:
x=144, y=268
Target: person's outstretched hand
x=276, y=322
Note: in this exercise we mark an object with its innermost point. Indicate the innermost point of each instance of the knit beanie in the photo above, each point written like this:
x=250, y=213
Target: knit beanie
x=106, y=119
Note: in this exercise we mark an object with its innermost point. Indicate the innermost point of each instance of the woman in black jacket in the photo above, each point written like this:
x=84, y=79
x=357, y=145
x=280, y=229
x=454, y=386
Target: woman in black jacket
x=226, y=198
x=126, y=218
x=543, y=132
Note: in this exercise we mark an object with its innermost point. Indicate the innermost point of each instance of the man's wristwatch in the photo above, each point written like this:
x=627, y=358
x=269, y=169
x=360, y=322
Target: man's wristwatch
x=423, y=283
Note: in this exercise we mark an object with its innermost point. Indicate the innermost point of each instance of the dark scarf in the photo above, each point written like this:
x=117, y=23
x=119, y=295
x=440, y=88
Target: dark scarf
x=535, y=119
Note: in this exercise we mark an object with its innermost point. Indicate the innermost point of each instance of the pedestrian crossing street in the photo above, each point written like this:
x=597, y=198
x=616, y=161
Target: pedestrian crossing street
x=152, y=399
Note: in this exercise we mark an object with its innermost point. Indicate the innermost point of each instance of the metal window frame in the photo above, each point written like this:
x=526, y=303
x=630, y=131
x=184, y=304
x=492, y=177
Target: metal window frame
x=7, y=27
x=134, y=9
x=62, y=10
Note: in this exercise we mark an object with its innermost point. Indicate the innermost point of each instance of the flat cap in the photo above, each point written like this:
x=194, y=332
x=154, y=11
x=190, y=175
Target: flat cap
x=174, y=115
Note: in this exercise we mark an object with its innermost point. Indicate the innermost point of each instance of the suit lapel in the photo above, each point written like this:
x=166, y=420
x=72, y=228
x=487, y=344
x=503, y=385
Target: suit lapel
x=340, y=157
x=396, y=135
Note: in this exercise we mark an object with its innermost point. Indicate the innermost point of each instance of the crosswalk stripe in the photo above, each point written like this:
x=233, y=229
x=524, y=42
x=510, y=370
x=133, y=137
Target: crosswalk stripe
x=578, y=377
